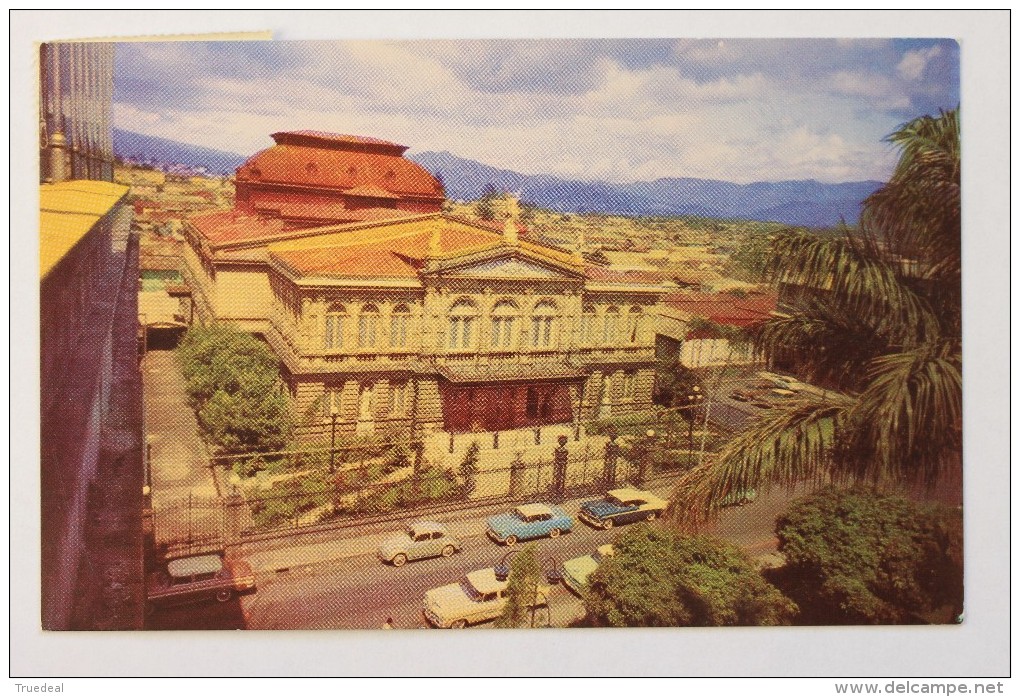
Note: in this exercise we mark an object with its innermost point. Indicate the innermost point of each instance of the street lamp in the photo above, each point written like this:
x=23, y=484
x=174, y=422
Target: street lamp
x=549, y=566
x=646, y=459
x=694, y=398
x=580, y=408
x=332, y=439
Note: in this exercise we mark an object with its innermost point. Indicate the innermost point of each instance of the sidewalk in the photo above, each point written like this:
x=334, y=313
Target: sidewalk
x=179, y=465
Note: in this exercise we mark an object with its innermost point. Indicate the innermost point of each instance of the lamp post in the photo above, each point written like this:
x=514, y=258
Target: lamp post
x=694, y=398
x=548, y=565
x=646, y=457
x=332, y=440
x=580, y=409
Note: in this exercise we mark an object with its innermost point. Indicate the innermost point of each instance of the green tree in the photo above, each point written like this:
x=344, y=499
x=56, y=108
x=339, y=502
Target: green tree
x=213, y=357
x=468, y=469
x=252, y=417
x=485, y=208
x=658, y=578
x=855, y=557
x=232, y=380
x=523, y=589
x=750, y=259
x=880, y=322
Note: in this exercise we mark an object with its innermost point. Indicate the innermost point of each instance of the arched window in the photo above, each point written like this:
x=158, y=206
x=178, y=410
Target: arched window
x=368, y=326
x=366, y=402
x=463, y=318
x=334, y=332
x=588, y=325
x=504, y=316
x=633, y=318
x=331, y=400
x=610, y=325
x=629, y=381
x=400, y=318
x=399, y=392
x=542, y=324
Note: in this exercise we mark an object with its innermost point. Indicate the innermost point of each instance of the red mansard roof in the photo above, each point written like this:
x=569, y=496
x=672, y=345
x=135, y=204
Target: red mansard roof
x=316, y=160
x=725, y=308
x=337, y=140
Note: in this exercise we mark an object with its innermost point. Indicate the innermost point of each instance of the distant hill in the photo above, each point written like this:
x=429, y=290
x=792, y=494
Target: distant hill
x=152, y=150
x=808, y=203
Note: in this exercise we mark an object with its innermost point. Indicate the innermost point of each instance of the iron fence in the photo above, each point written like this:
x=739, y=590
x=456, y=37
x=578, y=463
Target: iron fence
x=309, y=499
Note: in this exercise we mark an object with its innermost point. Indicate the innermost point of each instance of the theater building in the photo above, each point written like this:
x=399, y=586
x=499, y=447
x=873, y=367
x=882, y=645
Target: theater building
x=441, y=324
x=394, y=318
x=307, y=181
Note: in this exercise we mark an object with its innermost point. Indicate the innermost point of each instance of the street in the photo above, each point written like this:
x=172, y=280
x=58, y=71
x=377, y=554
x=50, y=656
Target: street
x=342, y=585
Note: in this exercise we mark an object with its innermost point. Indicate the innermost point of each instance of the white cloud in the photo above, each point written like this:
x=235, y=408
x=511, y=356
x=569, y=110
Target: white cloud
x=624, y=117
x=912, y=66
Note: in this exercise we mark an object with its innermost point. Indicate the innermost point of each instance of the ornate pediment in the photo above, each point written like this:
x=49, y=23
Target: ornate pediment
x=507, y=268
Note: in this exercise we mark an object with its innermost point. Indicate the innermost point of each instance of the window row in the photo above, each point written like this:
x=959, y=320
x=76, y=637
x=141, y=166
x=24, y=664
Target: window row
x=462, y=326
x=367, y=327
x=611, y=328
x=399, y=403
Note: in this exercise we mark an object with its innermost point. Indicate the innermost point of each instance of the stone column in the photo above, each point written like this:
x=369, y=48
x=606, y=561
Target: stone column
x=611, y=455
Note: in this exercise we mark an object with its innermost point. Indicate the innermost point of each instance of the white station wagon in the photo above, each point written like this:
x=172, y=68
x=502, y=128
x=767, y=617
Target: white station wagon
x=479, y=597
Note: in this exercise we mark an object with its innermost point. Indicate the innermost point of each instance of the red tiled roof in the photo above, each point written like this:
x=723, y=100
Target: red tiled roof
x=224, y=227
x=366, y=261
x=399, y=257
x=602, y=273
x=370, y=191
x=324, y=138
x=725, y=308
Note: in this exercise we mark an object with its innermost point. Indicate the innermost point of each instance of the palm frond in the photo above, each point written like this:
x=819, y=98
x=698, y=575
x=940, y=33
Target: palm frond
x=907, y=420
x=783, y=447
x=857, y=280
x=828, y=345
x=917, y=214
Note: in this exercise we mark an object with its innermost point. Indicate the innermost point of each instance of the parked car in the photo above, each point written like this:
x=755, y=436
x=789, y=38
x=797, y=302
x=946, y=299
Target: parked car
x=528, y=522
x=622, y=506
x=479, y=597
x=577, y=570
x=420, y=540
x=196, y=578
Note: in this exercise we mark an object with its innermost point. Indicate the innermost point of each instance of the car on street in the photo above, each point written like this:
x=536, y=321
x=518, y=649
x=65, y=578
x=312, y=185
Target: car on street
x=621, y=506
x=577, y=570
x=478, y=597
x=196, y=578
x=419, y=540
x=528, y=522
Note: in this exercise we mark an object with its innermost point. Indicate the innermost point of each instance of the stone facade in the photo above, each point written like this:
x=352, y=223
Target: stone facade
x=496, y=336
x=397, y=319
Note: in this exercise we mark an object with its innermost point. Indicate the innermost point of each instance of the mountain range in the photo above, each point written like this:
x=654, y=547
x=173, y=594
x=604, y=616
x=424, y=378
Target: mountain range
x=153, y=150
x=806, y=203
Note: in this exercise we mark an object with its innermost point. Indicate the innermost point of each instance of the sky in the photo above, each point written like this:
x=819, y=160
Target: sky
x=618, y=110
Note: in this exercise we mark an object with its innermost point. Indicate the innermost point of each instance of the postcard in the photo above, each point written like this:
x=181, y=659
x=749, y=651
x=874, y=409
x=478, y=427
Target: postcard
x=413, y=335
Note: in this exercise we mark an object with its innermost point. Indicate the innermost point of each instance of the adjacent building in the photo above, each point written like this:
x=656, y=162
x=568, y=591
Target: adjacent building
x=90, y=388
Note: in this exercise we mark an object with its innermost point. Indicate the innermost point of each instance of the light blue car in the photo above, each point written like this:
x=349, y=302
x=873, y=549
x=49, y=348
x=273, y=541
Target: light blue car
x=528, y=522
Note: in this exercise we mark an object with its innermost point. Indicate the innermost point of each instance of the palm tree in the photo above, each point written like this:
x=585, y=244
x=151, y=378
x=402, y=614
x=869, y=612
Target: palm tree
x=880, y=324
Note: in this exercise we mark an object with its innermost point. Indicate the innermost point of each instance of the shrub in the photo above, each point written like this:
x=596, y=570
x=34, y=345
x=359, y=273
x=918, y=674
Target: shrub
x=857, y=557
x=658, y=578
